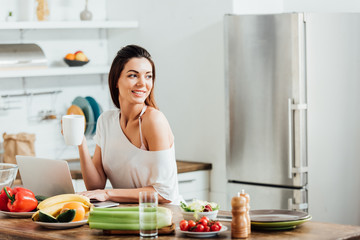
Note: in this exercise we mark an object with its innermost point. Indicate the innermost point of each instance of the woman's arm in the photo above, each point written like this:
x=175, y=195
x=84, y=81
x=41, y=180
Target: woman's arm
x=121, y=195
x=92, y=170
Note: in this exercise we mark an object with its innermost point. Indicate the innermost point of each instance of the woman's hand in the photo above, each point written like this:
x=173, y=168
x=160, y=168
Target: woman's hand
x=99, y=195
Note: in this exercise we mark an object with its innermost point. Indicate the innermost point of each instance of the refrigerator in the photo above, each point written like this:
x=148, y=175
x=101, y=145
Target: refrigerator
x=283, y=102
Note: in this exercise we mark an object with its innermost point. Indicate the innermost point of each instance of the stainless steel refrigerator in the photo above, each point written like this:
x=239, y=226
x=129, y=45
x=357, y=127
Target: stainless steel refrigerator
x=267, y=61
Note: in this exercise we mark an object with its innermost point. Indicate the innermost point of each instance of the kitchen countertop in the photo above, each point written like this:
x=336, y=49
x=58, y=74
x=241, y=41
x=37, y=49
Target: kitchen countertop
x=15, y=228
x=182, y=167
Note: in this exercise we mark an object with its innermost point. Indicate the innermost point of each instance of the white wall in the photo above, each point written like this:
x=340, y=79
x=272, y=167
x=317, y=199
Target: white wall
x=333, y=117
x=60, y=10
x=321, y=6
x=257, y=6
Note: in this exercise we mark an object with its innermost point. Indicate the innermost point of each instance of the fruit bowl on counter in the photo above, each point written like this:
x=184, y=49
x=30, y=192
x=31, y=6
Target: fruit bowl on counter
x=75, y=63
x=76, y=59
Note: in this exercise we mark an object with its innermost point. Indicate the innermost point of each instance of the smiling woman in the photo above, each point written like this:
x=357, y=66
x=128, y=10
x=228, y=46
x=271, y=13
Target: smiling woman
x=134, y=143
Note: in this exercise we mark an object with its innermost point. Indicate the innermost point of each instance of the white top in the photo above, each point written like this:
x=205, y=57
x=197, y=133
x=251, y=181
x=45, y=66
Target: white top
x=128, y=166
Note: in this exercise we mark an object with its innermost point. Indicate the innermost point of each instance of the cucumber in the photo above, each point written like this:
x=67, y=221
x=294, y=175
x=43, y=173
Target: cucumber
x=67, y=216
x=44, y=217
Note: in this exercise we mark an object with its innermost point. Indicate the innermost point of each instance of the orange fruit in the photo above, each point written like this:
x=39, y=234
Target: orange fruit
x=78, y=207
x=70, y=56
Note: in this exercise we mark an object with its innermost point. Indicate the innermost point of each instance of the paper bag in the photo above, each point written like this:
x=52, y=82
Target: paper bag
x=18, y=144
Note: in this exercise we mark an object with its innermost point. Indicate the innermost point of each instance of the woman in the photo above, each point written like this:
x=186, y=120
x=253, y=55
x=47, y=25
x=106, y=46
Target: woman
x=134, y=143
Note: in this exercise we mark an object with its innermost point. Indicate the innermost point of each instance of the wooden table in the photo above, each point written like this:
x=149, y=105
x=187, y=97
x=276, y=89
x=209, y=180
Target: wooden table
x=13, y=228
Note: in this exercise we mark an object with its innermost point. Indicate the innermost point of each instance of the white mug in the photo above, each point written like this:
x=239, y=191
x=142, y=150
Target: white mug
x=73, y=129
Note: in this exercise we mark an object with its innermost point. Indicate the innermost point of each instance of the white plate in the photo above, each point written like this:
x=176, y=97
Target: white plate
x=277, y=215
x=62, y=225
x=202, y=234
x=18, y=214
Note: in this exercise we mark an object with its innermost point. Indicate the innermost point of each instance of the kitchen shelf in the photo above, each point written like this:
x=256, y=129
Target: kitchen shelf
x=54, y=71
x=70, y=25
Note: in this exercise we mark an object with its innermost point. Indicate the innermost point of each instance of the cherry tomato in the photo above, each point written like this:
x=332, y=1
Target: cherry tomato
x=184, y=225
x=215, y=228
x=199, y=228
x=219, y=224
x=191, y=224
x=207, y=229
x=203, y=221
x=206, y=218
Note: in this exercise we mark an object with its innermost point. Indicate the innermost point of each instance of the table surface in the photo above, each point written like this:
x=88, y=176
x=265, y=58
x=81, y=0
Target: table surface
x=16, y=228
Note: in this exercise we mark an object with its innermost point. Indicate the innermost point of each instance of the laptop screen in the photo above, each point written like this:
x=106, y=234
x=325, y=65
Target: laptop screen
x=46, y=177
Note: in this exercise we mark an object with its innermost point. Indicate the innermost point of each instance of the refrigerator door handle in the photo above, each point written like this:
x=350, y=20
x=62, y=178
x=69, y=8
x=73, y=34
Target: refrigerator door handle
x=292, y=107
x=290, y=132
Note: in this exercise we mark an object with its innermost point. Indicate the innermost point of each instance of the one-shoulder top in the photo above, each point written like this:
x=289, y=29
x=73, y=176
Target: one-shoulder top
x=127, y=166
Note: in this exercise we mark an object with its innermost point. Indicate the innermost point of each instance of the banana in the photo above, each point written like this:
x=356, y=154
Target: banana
x=55, y=210
x=64, y=198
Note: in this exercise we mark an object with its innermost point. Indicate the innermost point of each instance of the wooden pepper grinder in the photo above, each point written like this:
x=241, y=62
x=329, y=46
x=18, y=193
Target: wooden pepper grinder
x=247, y=196
x=239, y=226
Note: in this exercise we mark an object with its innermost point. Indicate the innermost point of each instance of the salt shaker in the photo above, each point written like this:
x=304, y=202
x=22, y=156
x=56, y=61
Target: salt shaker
x=239, y=226
x=247, y=196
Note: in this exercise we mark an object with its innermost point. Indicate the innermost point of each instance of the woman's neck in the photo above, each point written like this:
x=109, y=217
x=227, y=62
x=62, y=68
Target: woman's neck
x=130, y=112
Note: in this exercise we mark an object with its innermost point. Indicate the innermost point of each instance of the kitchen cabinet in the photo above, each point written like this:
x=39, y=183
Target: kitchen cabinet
x=194, y=185
x=66, y=25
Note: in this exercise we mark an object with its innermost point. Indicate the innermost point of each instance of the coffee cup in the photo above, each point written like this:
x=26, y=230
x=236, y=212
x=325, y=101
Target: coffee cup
x=73, y=127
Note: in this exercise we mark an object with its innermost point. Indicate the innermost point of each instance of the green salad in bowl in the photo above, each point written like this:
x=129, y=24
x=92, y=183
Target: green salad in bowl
x=199, y=208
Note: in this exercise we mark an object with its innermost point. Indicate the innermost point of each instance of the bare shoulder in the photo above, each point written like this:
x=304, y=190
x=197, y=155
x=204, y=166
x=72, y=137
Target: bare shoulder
x=156, y=130
x=153, y=117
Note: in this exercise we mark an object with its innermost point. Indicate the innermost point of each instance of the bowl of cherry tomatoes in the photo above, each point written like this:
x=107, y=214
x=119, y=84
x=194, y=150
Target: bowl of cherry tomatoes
x=204, y=226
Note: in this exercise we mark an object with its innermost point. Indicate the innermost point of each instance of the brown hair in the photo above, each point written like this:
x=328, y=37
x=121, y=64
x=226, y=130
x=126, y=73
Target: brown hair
x=122, y=57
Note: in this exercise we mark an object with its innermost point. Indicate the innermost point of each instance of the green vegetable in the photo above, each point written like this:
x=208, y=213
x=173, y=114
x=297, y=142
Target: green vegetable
x=118, y=209
x=66, y=216
x=198, y=206
x=127, y=218
x=44, y=217
x=40, y=198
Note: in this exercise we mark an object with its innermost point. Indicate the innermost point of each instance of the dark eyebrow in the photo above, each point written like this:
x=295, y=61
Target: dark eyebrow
x=133, y=71
x=138, y=72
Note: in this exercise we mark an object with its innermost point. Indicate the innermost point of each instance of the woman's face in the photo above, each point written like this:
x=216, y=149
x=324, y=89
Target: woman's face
x=135, y=82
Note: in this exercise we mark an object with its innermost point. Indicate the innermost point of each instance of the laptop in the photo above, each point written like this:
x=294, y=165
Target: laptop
x=49, y=177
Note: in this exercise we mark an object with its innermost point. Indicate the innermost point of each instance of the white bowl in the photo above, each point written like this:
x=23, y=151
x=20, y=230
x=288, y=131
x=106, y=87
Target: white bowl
x=190, y=215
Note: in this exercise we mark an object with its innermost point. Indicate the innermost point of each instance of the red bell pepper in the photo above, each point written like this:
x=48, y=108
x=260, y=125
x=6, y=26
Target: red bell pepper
x=4, y=199
x=22, y=200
